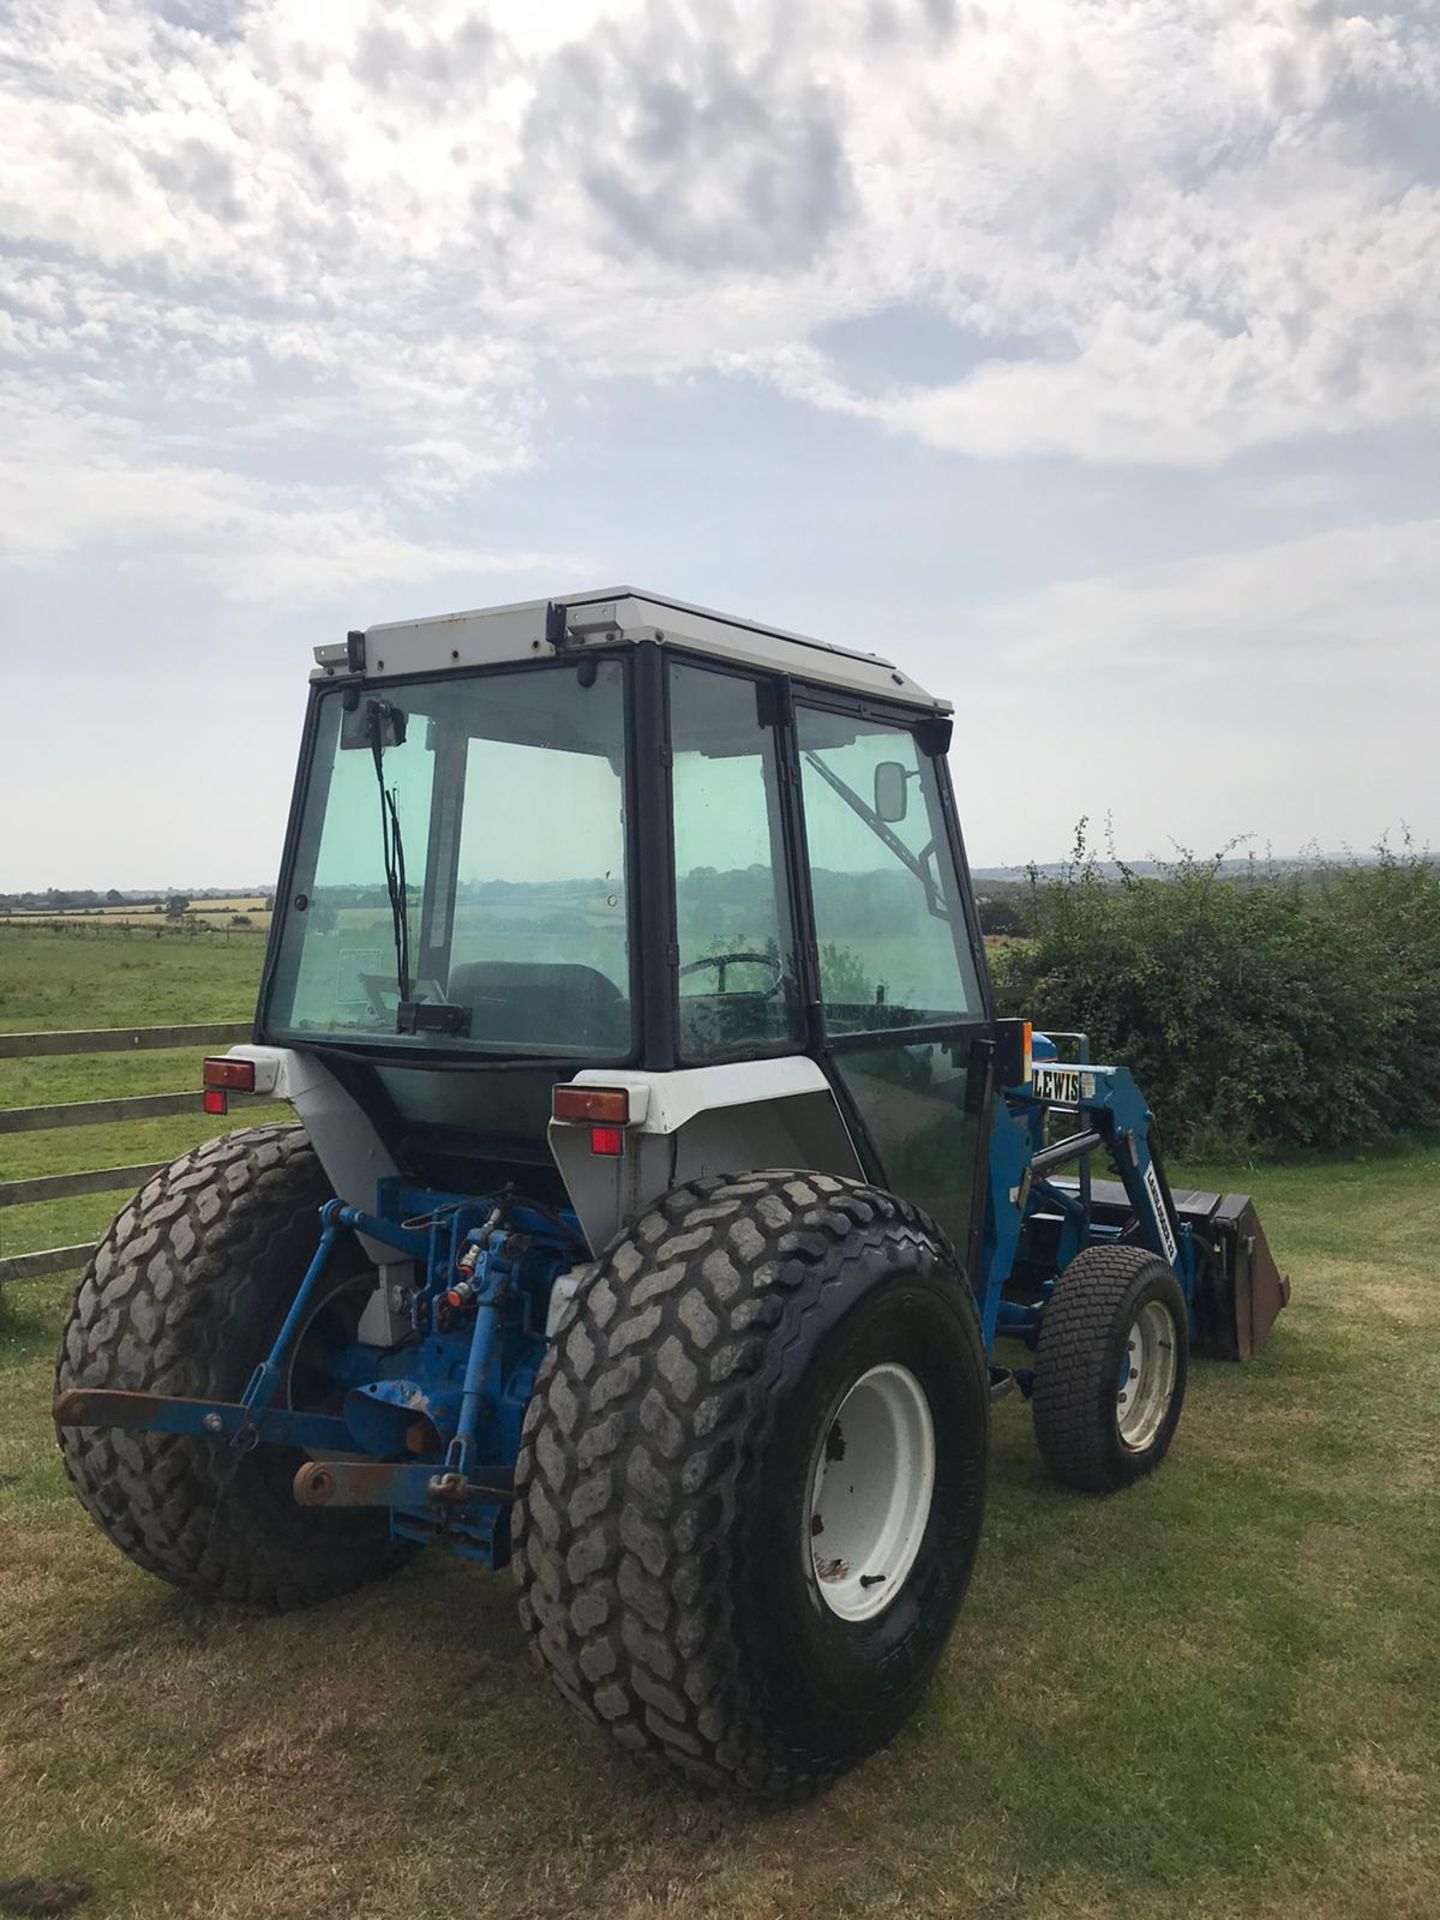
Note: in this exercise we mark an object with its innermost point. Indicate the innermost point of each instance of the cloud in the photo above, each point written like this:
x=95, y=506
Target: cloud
x=366, y=248
x=71, y=480
x=1283, y=694
x=711, y=154
x=1353, y=606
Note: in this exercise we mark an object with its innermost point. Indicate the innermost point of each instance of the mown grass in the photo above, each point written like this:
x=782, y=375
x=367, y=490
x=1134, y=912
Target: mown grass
x=79, y=978
x=1214, y=1695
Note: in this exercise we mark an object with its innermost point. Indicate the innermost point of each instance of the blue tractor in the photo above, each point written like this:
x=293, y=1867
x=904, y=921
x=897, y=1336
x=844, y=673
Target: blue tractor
x=662, y=1193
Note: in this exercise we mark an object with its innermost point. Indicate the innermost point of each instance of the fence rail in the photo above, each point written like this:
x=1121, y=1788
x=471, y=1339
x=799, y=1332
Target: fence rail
x=99, y=1113
x=83, y=1113
x=31, y=1046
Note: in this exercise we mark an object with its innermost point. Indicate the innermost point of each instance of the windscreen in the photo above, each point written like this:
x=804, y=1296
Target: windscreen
x=460, y=872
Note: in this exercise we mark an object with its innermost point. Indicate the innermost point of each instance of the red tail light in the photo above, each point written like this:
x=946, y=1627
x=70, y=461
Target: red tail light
x=221, y=1076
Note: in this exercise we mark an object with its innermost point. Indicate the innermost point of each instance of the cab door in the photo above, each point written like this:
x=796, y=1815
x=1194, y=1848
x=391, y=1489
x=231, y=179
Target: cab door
x=904, y=1005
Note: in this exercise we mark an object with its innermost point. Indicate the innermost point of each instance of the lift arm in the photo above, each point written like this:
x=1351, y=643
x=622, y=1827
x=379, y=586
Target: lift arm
x=1110, y=1114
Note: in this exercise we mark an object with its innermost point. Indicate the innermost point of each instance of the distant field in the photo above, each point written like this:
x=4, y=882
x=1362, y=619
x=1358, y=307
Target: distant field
x=214, y=913
x=1217, y=1695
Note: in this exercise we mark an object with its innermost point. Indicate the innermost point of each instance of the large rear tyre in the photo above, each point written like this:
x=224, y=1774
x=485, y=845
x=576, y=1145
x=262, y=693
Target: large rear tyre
x=1110, y=1368
x=184, y=1296
x=752, y=1478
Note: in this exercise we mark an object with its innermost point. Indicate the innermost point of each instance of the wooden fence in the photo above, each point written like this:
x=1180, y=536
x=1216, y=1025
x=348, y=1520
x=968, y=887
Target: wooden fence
x=89, y=1113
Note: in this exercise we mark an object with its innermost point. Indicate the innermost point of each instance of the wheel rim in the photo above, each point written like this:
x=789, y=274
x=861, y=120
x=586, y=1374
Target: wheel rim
x=871, y=1485
x=1147, y=1376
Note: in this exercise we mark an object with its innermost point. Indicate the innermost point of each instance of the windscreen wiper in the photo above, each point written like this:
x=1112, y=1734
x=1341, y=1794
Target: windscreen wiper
x=387, y=728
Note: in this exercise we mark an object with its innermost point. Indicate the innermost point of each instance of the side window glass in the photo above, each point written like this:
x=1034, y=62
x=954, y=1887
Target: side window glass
x=737, y=975
x=888, y=919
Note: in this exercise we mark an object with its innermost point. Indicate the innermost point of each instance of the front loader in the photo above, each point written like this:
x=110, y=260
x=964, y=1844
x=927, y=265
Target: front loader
x=664, y=1196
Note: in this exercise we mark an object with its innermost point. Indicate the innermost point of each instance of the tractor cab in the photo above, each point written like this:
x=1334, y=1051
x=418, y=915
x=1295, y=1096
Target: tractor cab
x=619, y=837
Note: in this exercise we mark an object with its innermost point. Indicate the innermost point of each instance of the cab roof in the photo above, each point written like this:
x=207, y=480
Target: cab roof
x=614, y=616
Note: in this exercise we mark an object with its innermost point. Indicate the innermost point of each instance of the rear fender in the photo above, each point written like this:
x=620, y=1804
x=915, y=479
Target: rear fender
x=349, y=1149
x=737, y=1118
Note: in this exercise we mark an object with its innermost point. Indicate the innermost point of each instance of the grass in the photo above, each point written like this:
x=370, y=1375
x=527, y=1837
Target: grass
x=64, y=980
x=1215, y=1695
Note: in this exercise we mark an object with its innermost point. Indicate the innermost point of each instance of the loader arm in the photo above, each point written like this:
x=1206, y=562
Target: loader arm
x=1038, y=1220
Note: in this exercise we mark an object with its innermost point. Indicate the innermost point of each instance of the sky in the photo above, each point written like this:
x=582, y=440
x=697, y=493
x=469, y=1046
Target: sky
x=1083, y=357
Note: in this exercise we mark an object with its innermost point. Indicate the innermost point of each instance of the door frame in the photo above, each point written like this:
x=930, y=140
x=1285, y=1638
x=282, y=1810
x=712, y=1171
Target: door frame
x=932, y=733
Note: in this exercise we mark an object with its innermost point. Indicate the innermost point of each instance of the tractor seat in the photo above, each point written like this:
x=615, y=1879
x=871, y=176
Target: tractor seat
x=542, y=1002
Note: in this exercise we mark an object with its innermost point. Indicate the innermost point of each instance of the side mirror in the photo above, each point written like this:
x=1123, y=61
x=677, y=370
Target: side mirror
x=892, y=791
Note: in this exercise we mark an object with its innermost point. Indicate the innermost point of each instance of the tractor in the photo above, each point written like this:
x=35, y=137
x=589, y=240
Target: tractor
x=662, y=1194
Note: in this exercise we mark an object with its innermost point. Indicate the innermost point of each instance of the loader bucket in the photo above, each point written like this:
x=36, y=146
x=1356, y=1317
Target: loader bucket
x=1241, y=1289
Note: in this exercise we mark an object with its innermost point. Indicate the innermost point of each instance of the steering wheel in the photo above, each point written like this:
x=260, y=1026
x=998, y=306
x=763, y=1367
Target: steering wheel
x=720, y=961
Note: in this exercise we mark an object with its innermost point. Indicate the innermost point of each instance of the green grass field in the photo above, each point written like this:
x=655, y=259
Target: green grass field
x=1215, y=1695
x=74, y=980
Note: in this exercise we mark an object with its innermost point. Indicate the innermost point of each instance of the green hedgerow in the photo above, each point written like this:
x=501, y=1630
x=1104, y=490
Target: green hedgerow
x=1258, y=1010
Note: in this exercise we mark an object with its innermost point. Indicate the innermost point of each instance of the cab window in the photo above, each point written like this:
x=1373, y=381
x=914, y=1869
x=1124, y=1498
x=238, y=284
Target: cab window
x=737, y=981
x=893, y=946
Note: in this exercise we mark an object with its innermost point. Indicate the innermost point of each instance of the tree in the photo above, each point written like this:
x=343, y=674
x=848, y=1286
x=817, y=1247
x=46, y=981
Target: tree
x=1000, y=916
x=176, y=906
x=114, y=898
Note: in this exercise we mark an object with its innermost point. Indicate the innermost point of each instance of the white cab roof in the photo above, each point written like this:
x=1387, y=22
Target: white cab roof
x=615, y=616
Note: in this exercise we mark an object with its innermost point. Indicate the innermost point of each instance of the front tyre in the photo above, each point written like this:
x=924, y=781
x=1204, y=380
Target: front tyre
x=752, y=1478
x=1110, y=1368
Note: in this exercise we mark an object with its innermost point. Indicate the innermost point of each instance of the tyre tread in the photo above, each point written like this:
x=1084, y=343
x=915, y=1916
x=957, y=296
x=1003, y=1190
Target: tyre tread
x=1076, y=1330
x=626, y=1543
x=168, y=1302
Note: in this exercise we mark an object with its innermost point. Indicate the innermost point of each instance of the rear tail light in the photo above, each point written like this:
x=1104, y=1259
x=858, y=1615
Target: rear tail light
x=222, y=1076
x=223, y=1070
x=609, y=1106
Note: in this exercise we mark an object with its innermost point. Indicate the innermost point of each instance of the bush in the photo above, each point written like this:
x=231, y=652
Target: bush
x=1257, y=1010
x=1001, y=916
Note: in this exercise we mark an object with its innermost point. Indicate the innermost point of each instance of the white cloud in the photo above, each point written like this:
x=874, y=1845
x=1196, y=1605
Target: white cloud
x=1284, y=695
x=1354, y=604
x=378, y=235
x=69, y=479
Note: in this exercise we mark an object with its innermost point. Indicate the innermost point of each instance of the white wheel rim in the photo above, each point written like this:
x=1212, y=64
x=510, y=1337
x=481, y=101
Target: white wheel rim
x=1147, y=1376
x=871, y=1485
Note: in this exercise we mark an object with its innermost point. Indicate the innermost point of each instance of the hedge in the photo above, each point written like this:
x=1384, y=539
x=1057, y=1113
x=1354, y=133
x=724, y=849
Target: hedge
x=1258, y=1011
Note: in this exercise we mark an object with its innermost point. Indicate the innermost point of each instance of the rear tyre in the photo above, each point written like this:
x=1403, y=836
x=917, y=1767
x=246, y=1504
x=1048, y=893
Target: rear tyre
x=752, y=1478
x=1110, y=1368
x=184, y=1296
